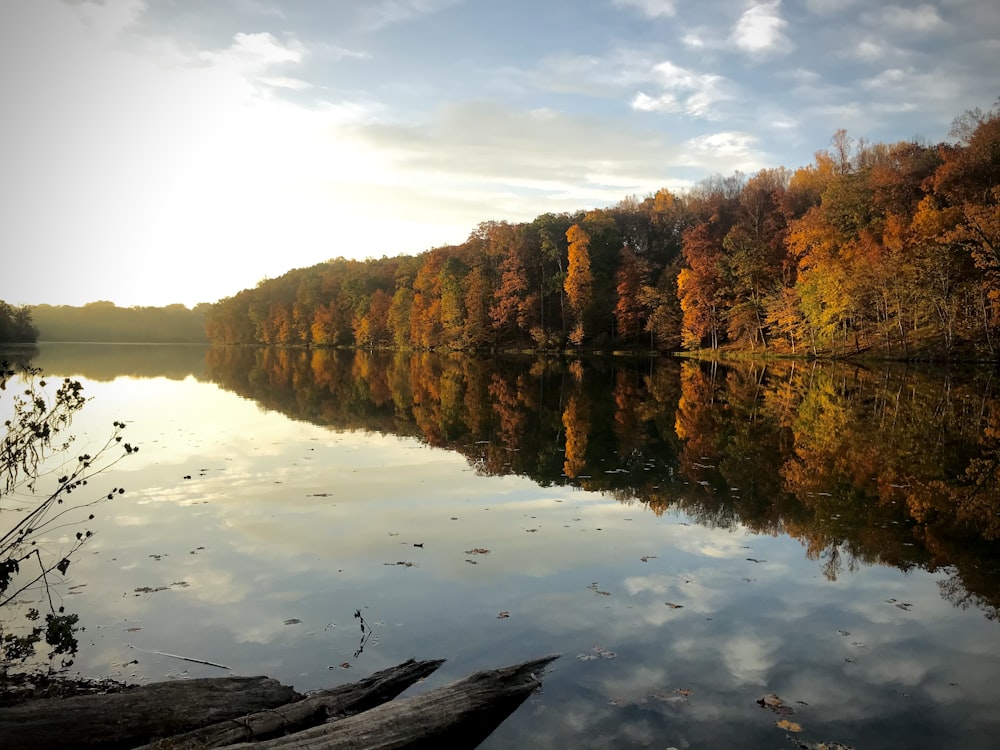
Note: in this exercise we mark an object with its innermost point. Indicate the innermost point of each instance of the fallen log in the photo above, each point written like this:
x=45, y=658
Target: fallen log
x=316, y=708
x=135, y=716
x=459, y=715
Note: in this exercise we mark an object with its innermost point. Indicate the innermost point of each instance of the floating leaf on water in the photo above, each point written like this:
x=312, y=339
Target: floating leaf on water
x=344, y=665
x=788, y=726
x=503, y=615
x=774, y=703
x=843, y=632
x=292, y=621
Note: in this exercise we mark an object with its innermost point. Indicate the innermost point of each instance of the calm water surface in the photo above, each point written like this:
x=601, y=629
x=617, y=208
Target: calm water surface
x=689, y=538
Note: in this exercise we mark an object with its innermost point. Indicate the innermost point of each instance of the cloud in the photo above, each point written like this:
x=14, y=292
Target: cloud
x=760, y=31
x=376, y=15
x=874, y=50
x=531, y=155
x=683, y=90
x=693, y=40
x=282, y=82
x=724, y=152
x=592, y=74
x=254, y=53
x=652, y=8
x=920, y=20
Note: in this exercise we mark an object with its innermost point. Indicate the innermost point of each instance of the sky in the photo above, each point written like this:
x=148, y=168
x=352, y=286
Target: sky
x=155, y=152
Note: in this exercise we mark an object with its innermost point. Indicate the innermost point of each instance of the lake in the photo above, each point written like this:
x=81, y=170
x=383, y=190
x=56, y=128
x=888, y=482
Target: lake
x=691, y=537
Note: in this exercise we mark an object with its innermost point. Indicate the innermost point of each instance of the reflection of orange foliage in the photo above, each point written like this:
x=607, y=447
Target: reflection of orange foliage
x=507, y=406
x=576, y=422
x=628, y=402
x=698, y=416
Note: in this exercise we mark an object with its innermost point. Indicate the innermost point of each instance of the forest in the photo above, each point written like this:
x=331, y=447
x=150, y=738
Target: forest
x=881, y=250
x=106, y=322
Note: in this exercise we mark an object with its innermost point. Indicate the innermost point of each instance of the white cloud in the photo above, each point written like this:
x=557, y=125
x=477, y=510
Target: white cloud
x=725, y=151
x=683, y=90
x=282, y=82
x=652, y=8
x=920, y=20
x=466, y=147
x=760, y=31
x=874, y=50
x=693, y=41
x=254, y=53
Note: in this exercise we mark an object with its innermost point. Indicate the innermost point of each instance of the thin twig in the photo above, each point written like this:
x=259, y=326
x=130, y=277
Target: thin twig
x=176, y=656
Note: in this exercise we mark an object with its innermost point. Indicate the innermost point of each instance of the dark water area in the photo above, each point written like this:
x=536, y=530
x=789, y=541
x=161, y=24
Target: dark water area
x=690, y=536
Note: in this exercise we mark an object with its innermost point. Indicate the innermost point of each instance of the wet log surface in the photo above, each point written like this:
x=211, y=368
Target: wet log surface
x=217, y=712
x=457, y=716
x=314, y=709
x=132, y=717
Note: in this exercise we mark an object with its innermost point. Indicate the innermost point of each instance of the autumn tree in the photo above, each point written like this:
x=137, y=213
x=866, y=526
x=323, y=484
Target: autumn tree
x=579, y=280
x=631, y=308
x=700, y=289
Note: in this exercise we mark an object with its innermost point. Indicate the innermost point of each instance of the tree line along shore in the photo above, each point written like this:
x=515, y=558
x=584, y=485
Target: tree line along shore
x=878, y=250
x=886, y=250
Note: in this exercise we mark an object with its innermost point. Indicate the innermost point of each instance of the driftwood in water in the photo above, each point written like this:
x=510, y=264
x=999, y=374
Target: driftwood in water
x=460, y=715
x=315, y=709
x=129, y=718
x=214, y=712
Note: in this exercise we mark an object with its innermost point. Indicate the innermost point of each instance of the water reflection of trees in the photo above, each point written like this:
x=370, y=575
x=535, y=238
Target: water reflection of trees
x=889, y=465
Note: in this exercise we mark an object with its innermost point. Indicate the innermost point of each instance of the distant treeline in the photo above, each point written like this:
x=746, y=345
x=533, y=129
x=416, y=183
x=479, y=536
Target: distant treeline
x=106, y=322
x=891, y=250
x=16, y=326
